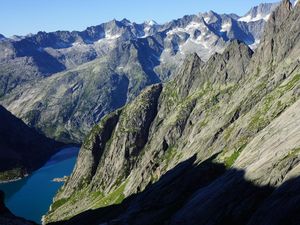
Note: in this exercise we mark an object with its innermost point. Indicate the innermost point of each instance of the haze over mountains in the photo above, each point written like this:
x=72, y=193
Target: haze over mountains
x=62, y=83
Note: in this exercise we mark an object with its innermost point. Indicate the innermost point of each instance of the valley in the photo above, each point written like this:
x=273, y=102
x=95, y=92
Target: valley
x=193, y=121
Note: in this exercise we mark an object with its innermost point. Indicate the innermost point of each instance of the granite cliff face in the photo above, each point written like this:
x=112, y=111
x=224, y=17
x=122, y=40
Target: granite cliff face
x=218, y=144
x=22, y=149
x=63, y=83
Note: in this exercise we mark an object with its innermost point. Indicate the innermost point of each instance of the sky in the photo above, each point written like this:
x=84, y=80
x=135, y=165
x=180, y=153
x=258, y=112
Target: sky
x=21, y=17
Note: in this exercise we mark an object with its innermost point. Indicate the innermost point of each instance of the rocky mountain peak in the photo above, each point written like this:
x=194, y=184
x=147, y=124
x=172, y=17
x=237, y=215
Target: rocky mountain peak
x=151, y=22
x=160, y=51
x=221, y=69
x=260, y=12
x=273, y=49
x=281, y=13
x=230, y=66
x=213, y=131
x=126, y=22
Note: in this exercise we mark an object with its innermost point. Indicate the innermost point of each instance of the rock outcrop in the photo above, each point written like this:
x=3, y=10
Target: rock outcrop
x=220, y=146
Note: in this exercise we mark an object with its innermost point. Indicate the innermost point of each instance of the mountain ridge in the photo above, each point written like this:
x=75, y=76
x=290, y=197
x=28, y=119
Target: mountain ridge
x=84, y=78
x=236, y=123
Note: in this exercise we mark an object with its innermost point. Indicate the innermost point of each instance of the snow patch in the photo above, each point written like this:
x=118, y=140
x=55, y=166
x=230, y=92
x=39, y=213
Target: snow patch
x=109, y=36
x=190, y=28
x=206, y=19
x=76, y=44
x=258, y=17
x=255, y=44
x=151, y=23
x=225, y=27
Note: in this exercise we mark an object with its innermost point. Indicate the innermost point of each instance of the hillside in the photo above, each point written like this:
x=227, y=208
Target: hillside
x=22, y=149
x=218, y=144
x=63, y=83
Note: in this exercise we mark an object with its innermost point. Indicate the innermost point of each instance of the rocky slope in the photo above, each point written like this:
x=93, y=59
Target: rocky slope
x=22, y=149
x=62, y=83
x=218, y=144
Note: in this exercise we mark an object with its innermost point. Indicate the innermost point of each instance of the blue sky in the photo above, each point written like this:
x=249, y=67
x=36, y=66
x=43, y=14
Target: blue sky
x=30, y=16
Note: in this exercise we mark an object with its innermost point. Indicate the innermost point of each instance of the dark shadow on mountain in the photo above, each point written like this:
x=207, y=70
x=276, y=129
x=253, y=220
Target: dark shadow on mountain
x=207, y=193
x=22, y=148
x=11, y=190
x=46, y=63
x=148, y=55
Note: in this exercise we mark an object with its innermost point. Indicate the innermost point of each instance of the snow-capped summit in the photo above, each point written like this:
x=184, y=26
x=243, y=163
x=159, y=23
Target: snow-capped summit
x=151, y=23
x=260, y=12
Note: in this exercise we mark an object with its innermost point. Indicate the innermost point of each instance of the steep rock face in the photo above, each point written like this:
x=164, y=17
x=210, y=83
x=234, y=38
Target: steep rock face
x=259, y=12
x=230, y=128
x=85, y=75
x=22, y=149
x=221, y=69
x=114, y=146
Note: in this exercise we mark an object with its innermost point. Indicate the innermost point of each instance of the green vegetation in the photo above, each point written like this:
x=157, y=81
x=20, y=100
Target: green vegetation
x=58, y=203
x=11, y=174
x=272, y=106
x=239, y=146
x=169, y=155
x=293, y=153
x=229, y=161
x=228, y=132
x=291, y=84
x=203, y=123
x=115, y=197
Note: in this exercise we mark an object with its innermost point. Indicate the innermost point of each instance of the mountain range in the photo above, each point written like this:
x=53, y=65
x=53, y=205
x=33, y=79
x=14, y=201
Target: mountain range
x=62, y=83
x=195, y=121
x=216, y=144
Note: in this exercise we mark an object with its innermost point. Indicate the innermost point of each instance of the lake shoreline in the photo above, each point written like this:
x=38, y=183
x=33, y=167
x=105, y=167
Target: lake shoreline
x=37, y=189
x=14, y=180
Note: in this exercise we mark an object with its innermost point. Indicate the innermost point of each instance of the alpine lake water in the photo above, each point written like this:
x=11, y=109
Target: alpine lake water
x=31, y=197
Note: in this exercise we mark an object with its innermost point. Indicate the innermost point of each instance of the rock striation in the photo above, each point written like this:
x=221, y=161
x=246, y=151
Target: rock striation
x=217, y=144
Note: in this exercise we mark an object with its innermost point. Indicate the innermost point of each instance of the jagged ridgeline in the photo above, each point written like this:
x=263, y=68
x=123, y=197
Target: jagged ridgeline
x=218, y=144
x=63, y=83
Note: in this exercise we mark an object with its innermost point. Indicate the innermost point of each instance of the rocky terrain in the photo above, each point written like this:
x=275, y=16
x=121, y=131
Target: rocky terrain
x=217, y=144
x=22, y=149
x=63, y=83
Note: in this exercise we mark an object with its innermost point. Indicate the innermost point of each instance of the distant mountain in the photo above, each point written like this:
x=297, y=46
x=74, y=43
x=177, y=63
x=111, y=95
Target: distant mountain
x=2, y=37
x=64, y=82
x=219, y=144
x=260, y=12
x=22, y=149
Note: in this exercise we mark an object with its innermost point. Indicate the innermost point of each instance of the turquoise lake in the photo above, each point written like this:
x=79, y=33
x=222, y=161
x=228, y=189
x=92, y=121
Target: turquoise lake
x=31, y=197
